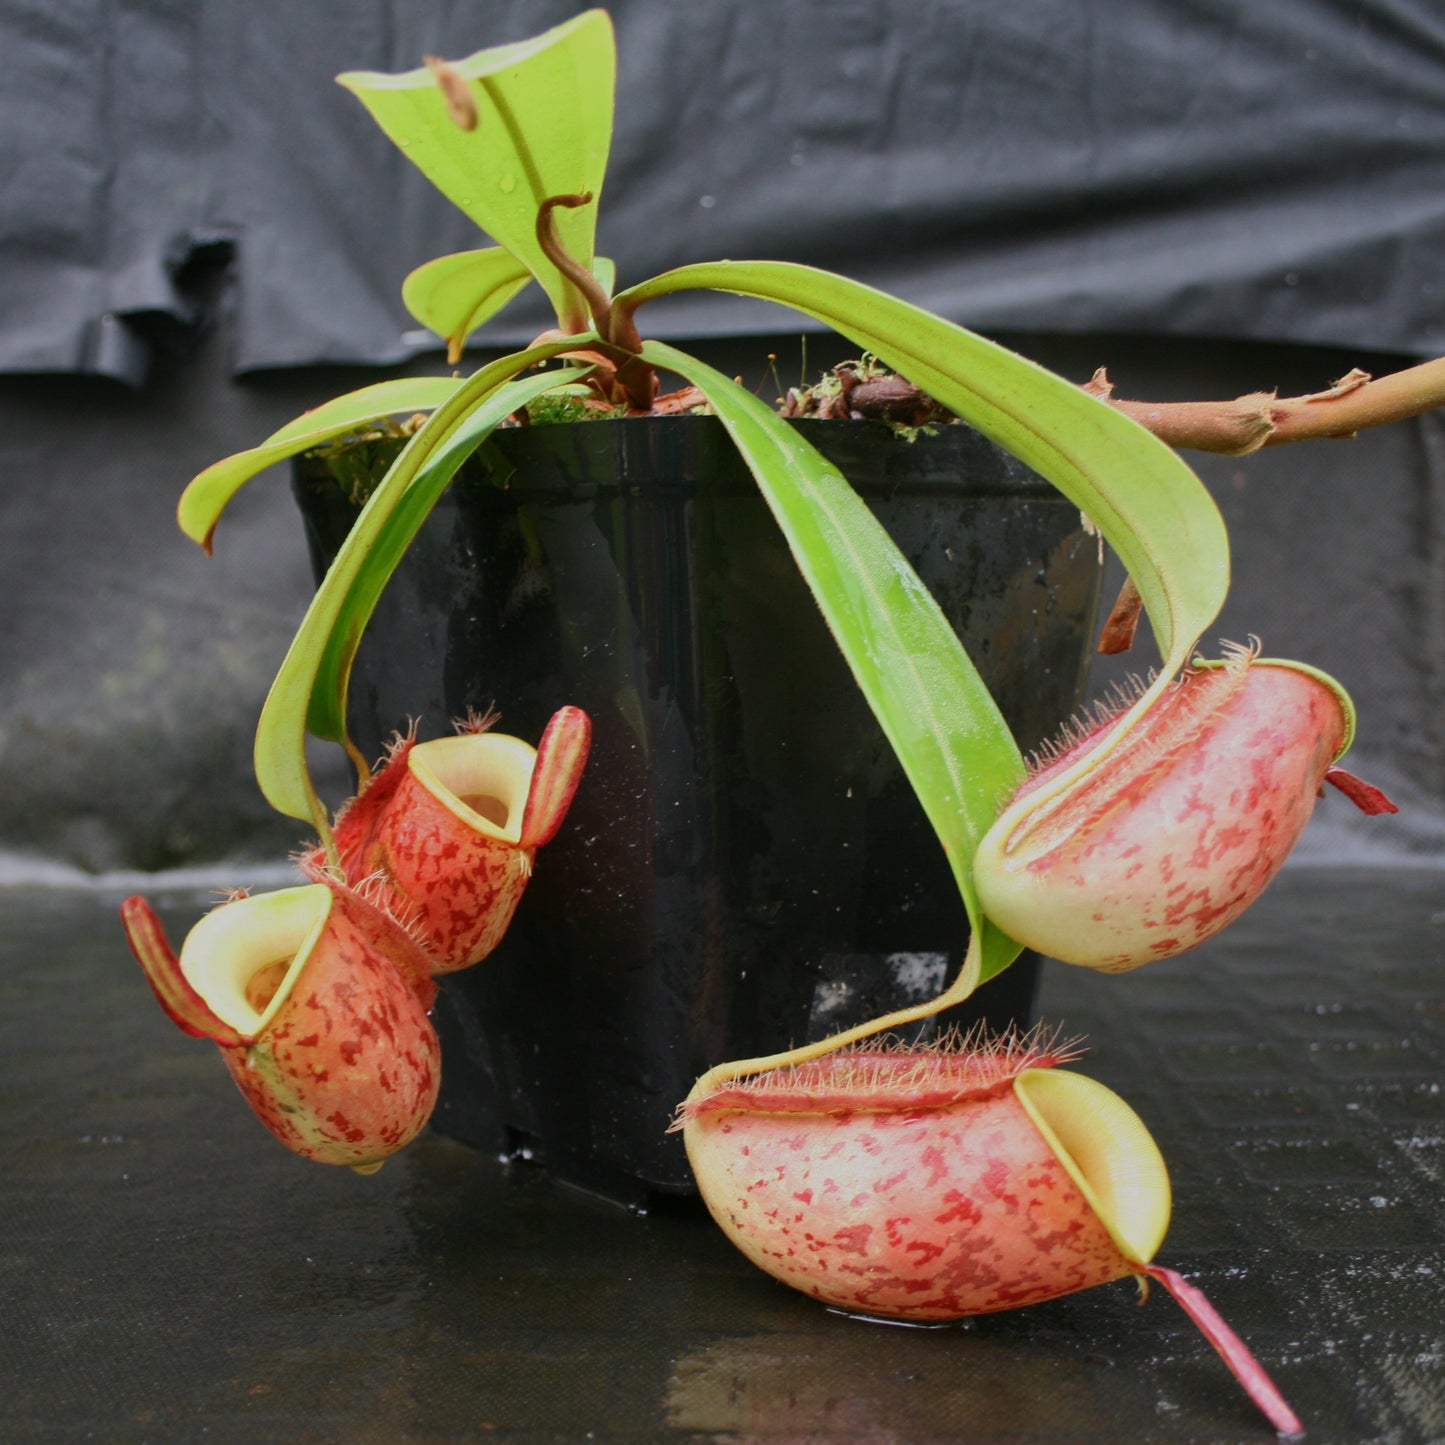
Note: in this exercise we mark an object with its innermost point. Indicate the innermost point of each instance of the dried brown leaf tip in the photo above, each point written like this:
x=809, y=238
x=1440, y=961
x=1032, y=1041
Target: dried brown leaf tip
x=1122, y=623
x=461, y=103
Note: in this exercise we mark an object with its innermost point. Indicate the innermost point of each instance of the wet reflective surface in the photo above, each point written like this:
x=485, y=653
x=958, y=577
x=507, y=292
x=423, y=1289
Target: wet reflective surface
x=168, y=1273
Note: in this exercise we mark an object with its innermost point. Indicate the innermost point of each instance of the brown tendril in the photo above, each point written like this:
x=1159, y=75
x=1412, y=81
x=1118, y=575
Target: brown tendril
x=636, y=378
x=599, y=303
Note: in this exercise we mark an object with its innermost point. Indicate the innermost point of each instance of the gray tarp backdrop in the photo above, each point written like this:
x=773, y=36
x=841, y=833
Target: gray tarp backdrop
x=1192, y=167
x=198, y=229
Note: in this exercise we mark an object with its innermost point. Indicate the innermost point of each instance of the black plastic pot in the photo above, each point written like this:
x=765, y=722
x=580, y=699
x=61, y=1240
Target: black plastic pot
x=745, y=866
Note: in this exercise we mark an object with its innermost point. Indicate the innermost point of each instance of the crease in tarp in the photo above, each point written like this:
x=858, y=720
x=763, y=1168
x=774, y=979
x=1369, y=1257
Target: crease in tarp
x=153, y=308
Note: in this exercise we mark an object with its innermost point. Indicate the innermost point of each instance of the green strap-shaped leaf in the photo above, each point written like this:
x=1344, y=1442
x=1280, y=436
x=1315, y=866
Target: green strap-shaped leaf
x=453, y=295
x=456, y=294
x=326, y=637
x=953, y=743
x=208, y=494
x=1153, y=510
x=543, y=125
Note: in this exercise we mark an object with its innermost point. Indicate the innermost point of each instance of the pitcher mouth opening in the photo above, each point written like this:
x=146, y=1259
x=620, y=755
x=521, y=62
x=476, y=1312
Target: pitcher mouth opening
x=244, y=958
x=482, y=778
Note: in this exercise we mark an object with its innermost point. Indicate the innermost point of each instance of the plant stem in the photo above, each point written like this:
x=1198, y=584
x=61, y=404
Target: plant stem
x=1261, y=419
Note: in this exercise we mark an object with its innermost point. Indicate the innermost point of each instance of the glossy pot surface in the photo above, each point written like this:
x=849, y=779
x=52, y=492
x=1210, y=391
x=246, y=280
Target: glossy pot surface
x=745, y=866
